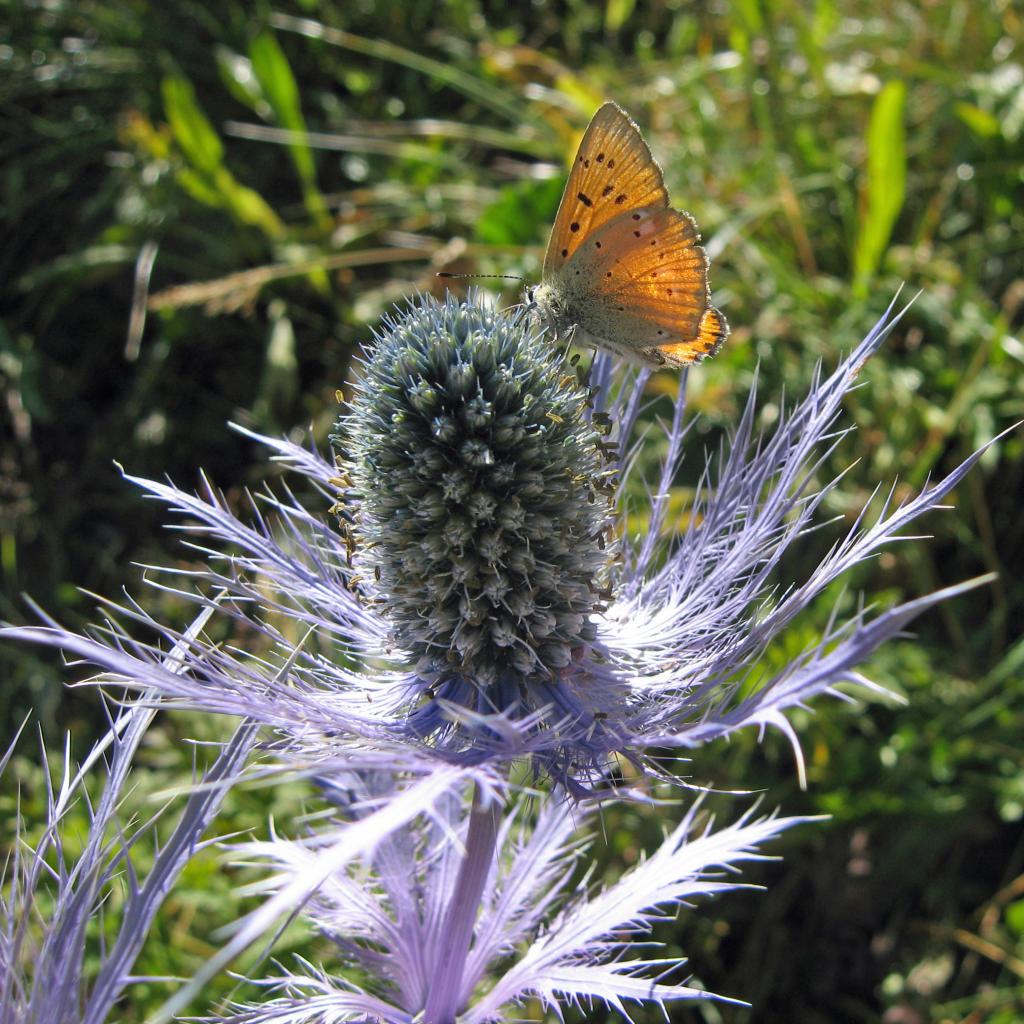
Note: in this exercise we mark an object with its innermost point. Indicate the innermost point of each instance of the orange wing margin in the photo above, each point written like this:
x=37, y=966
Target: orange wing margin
x=711, y=335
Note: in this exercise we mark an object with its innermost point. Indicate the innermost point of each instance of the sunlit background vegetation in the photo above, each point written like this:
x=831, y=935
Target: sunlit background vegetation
x=204, y=206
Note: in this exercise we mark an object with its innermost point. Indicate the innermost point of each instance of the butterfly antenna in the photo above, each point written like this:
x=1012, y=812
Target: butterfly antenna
x=506, y=277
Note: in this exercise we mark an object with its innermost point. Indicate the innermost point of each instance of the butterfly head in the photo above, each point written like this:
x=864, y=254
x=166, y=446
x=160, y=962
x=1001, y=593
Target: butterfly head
x=550, y=307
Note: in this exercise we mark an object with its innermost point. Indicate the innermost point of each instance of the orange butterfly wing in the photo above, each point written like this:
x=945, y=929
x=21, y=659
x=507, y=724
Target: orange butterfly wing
x=640, y=285
x=613, y=172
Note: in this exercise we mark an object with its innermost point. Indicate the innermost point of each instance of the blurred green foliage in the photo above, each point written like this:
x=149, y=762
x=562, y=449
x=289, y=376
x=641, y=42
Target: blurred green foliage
x=202, y=208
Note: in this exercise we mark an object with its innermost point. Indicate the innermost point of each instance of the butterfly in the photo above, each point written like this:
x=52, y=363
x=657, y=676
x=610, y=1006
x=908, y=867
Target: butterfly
x=623, y=270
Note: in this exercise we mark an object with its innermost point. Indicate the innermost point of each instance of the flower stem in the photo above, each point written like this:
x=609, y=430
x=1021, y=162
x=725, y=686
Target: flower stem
x=444, y=998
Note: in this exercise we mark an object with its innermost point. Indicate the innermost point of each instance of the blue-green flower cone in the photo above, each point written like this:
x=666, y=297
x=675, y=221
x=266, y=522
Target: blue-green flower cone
x=481, y=497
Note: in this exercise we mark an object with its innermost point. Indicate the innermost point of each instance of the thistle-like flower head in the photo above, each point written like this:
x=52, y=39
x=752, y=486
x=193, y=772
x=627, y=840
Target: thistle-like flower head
x=460, y=609
x=481, y=497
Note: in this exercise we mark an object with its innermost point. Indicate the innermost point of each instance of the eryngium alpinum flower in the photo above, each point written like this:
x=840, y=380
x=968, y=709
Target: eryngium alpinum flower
x=480, y=510
x=677, y=658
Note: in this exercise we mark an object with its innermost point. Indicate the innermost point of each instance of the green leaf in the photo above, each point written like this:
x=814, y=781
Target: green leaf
x=981, y=122
x=207, y=178
x=616, y=13
x=1015, y=917
x=190, y=127
x=236, y=73
x=274, y=74
x=199, y=187
x=222, y=190
x=884, y=189
x=751, y=15
x=247, y=205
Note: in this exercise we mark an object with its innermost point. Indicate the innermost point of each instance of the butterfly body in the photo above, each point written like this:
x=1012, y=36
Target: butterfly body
x=623, y=270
